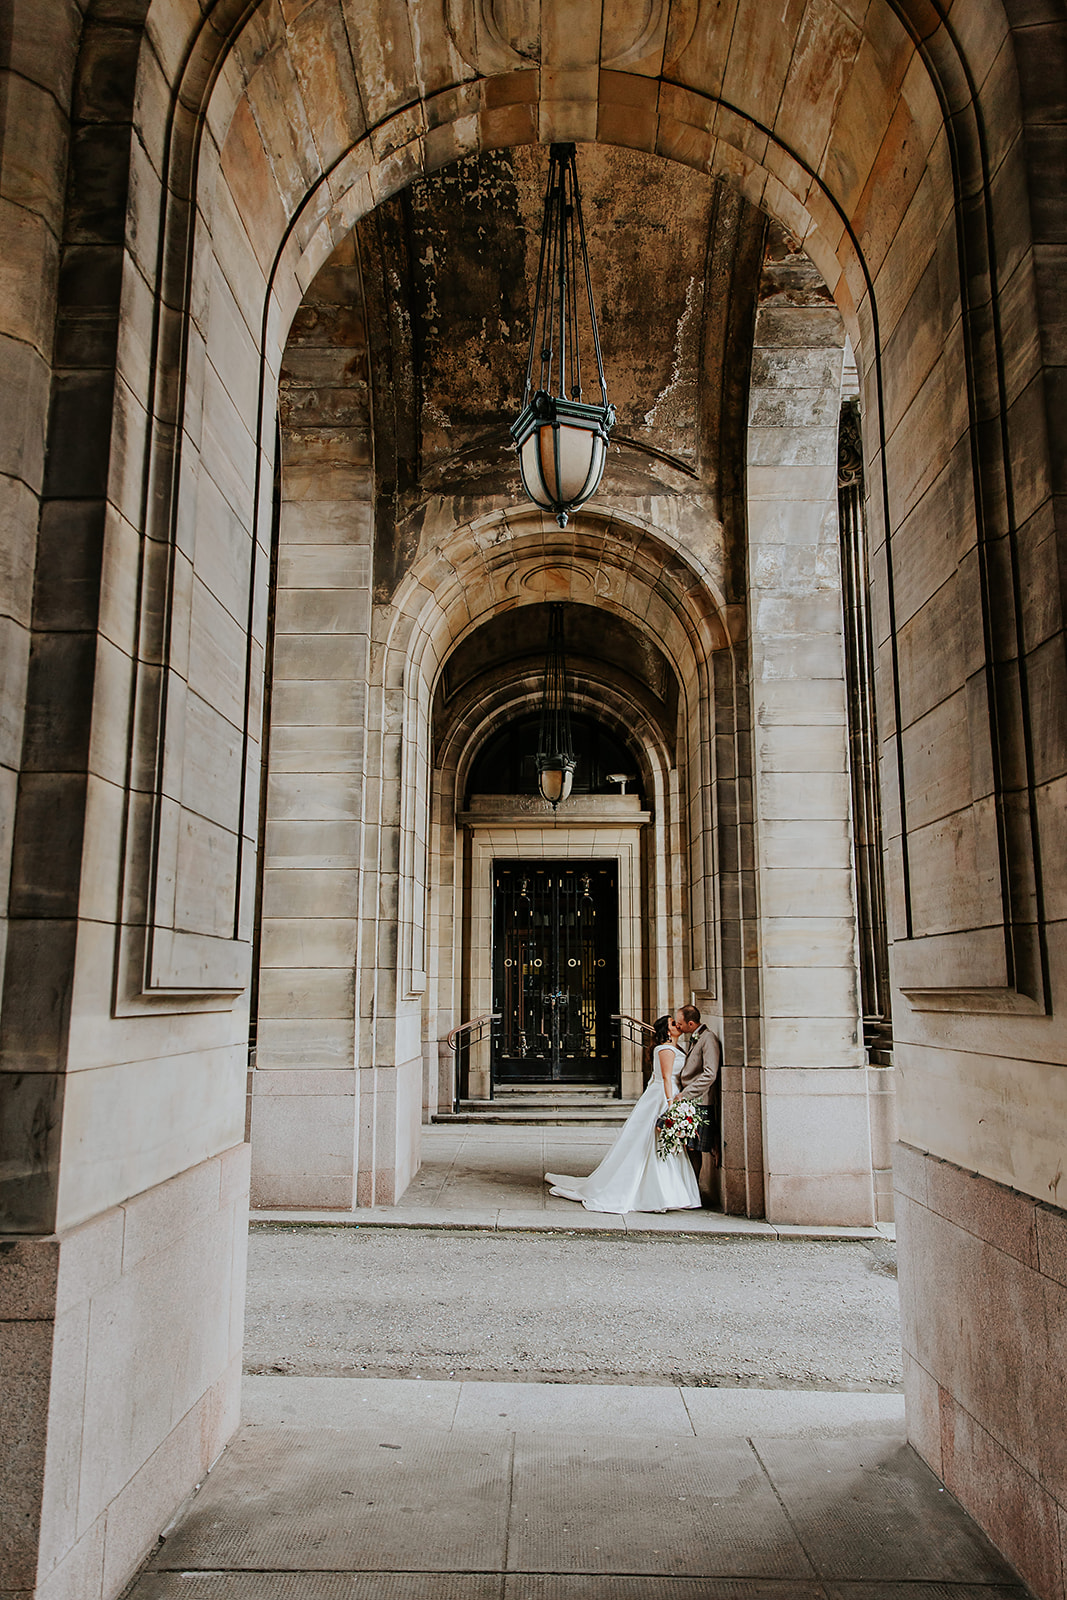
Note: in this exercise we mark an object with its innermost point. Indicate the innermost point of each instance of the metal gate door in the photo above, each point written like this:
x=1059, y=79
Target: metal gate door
x=555, y=971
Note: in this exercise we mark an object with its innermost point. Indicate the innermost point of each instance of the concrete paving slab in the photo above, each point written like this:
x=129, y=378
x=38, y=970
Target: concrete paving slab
x=510, y=1203
x=500, y=1168
x=927, y=1591
x=493, y=1166
x=439, y=1216
x=517, y=1144
x=520, y=1167
x=672, y=1507
x=576, y=1220
x=793, y=1413
x=383, y=1510
x=574, y=1408
x=485, y=1185
x=305, y=1500
x=423, y=1199
x=318, y=1586
x=348, y=1402
x=851, y=1500
x=581, y=1586
x=576, y=1145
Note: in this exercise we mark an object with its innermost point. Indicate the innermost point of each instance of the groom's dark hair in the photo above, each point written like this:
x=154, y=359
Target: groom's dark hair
x=689, y=1013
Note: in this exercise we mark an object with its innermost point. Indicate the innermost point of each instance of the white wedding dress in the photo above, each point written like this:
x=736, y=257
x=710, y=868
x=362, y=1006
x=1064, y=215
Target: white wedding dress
x=632, y=1177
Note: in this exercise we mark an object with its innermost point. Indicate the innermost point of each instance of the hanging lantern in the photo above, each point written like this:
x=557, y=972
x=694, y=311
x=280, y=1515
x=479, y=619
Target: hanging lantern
x=555, y=745
x=562, y=441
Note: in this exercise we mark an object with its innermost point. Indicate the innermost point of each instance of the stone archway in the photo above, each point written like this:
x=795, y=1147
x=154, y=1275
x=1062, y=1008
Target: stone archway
x=211, y=173
x=643, y=832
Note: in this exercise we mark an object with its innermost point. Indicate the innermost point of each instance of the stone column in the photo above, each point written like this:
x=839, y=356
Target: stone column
x=815, y=1095
x=306, y=1078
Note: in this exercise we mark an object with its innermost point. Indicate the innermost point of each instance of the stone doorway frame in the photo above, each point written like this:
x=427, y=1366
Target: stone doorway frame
x=594, y=828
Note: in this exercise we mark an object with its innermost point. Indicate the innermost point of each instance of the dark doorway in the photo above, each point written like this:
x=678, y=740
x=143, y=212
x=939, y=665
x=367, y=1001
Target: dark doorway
x=555, y=971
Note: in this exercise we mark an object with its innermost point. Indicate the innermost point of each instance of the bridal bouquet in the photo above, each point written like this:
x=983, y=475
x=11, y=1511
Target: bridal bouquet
x=679, y=1124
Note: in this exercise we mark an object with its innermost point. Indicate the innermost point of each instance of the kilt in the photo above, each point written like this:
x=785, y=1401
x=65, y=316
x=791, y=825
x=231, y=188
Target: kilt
x=708, y=1137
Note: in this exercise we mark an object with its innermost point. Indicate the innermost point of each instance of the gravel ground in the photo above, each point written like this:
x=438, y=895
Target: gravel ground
x=758, y=1312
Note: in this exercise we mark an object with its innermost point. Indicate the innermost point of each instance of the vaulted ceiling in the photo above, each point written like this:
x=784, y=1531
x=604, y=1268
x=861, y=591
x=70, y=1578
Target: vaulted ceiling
x=449, y=268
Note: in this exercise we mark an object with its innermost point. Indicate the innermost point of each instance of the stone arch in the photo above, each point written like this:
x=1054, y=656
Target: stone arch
x=655, y=968
x=306, y=192
x=963, y=379
x=647, y=579
x=313, y=189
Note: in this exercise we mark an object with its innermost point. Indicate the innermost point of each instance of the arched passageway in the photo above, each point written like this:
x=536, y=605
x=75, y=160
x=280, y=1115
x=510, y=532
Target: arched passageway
x=196, y=174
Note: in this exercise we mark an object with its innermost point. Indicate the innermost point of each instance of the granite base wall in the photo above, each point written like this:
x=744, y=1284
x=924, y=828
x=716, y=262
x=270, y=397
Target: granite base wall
x=121, y=1345
x=817, y=1146
x=983, y=1295
x=304, y=1137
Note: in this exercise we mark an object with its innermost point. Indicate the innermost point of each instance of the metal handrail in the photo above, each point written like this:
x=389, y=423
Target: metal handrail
x=460, y=1040
x=635, y=1022
x=452, y=1038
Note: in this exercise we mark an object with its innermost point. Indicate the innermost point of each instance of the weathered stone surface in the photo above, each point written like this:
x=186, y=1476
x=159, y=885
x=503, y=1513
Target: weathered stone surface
x=430, y=508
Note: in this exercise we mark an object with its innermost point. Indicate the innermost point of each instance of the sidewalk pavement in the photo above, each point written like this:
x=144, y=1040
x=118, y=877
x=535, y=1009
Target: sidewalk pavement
x=492, y=1178
x=357, y=1489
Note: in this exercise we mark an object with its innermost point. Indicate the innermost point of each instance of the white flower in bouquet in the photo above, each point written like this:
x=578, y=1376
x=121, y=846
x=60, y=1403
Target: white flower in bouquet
x=678, y=1126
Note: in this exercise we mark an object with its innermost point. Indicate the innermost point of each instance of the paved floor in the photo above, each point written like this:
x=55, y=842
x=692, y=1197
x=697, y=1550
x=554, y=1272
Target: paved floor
x=347, y=1489
x=493, y=1177
x=776, y=1471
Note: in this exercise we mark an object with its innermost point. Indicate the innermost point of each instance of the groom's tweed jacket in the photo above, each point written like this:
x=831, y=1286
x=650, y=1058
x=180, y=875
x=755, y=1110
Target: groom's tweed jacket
x=701, y=1066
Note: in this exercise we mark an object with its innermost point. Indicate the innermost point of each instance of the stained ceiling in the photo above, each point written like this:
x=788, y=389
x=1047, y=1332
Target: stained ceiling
x=457, y=258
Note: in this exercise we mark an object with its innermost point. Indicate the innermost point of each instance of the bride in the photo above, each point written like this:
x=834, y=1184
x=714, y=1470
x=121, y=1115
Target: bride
x=632, y=1177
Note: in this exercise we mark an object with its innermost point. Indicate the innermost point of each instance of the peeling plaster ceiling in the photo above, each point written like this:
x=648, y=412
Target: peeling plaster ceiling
x=459, y=252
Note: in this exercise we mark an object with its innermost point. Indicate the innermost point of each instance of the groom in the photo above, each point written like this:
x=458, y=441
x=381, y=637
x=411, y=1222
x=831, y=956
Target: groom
x=698, y=1074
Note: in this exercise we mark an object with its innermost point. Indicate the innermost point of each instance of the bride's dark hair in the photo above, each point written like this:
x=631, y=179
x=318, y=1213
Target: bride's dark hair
x=662, y=1034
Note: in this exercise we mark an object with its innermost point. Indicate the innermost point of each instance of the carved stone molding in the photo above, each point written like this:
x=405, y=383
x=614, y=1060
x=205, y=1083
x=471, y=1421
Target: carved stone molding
x=506, y=35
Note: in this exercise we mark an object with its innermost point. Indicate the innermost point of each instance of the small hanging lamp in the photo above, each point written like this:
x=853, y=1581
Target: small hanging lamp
x=555, y=745
x=562, y=441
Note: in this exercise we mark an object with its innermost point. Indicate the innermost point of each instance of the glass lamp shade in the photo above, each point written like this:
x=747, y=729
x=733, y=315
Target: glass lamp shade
x=554, y=778
x=562, y=447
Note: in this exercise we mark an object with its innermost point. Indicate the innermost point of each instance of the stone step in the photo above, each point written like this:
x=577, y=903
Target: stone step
x=554, y=1091
x=541, y=1102
x=607, y=1114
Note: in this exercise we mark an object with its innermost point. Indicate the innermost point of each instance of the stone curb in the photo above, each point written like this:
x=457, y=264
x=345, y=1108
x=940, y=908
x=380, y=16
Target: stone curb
x=713, y=1226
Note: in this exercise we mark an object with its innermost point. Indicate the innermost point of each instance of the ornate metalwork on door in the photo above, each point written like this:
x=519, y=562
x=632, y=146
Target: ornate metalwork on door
x=555, y=971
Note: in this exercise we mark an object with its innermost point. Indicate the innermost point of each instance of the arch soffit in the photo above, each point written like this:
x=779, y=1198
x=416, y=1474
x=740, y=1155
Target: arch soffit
x=518, y=691
x=622, y=713
x=846, y=183
x=325, y=174
x=848, y=203
x=642, y=577
x=915, y=74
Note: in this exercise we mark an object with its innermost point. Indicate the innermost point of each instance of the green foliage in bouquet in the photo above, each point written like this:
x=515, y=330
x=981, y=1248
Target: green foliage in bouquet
x=678, y=1126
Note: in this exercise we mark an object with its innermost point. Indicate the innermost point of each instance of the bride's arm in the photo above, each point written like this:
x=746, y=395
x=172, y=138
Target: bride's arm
x=665, y=1062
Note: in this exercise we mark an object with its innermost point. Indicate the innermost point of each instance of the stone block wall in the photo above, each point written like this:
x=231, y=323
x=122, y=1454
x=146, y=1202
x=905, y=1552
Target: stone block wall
x=305, y=1101
x=983, y=1281
x=36, y=74
x=885, y=195
x=816, y=1117
x=121, y=1343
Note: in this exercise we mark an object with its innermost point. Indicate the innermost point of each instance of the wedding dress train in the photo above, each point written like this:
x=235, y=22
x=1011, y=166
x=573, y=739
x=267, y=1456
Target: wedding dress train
x=632, y=1177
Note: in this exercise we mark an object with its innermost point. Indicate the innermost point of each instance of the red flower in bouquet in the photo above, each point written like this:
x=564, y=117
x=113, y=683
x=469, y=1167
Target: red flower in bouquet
x=678, y=1126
